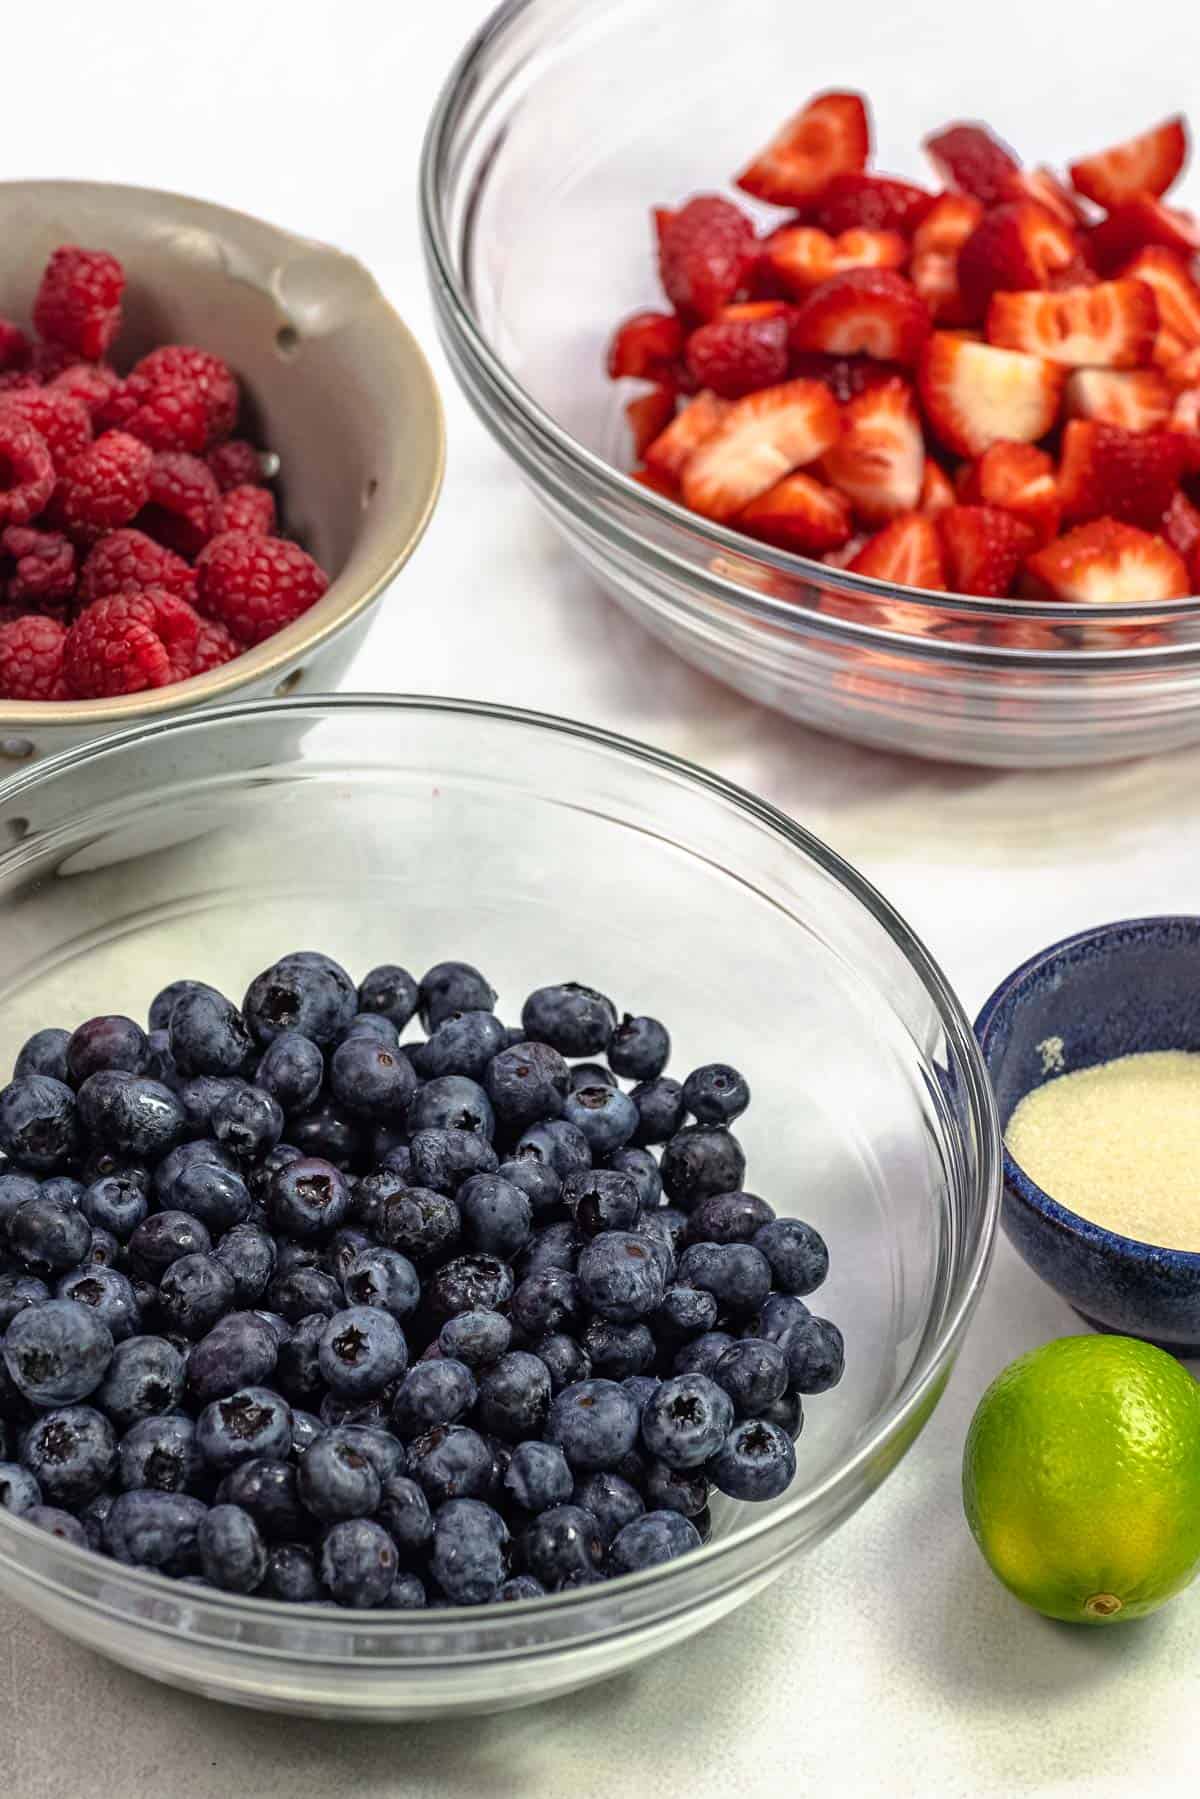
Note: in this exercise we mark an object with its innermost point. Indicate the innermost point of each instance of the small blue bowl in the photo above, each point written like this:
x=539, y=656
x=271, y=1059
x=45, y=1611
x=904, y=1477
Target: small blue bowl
x=1118, y=990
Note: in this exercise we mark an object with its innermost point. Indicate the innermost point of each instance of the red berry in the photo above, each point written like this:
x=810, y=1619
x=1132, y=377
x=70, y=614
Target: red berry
x=256, y=585
x=185, y=374
x=45, y=565
x=248, y=509
x=31, y=659
x=13, y=381
x=91, y=382
x=129, y=642
x=26, y=471
x=183, y=502
x=15, y=347
x=706, y=251
x=126, y=561
x=78, y=304
x=173, y=417
x=733, y=357
x=235, y=463
x=104, y=486
x=215, y=646
x=62, y=421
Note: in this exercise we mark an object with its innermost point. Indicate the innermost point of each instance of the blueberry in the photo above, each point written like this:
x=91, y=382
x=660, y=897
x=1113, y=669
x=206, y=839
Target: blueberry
x=148, y=1529
x=267, y=1488
x=440, y=1391
x=470, y=1551
x=232, y=1552
x=538, y=1182
x=563, y=1359
x=601, y=1199
x=308, y=1199
x=164, y=1002
x=328, y=1133
x=649, y=1541
x=43, y=1053
x=421, y=1224
x=685, y=1312
x=254, y=1421
x=358, y=1563
x=639, y=1048
x=383, y=1278
x=788, y=1413
x=778, y=1312
x=248, y=1252
x=555, y=1246
x=559, y=1145
x=610, y=1499
x=71, y=1453
x=564, y=1541
x=702, y=1354
x=547, y=1301
x=136, y=1118
x=160, y=1063
x=304, y=1291
x=298, y=1370
x=797, y=1254
x=514, y=1396
x=676, y=1490
x=58, y=1352
x=594, y=1422
x=538, y=1477
x=292, y=1070
x=201, y=1095
x=15, y=1189
x=640, y=1165
x=258, y=1180
x=386, y=1454
x=305, y=992
x=497, y=1218
x=110, y=1042
x=59, y=1524
x=658, y=1230
x=160, y=1453
x=591, y=1074
x=575, y=1020
x=145, y=1378
x=239, y=1351
x=815, y=1354
x=640, y=1387
x=291, y=1575
x=698, y=1160
x=109, y=1294
x=208, y=1034
x=371, y=1079
x=337, y=1479
x=660, y=1110
x=451, y=1461
x=194, y=1292
x=59, y=1187
x=606, y=1116
x=443, y=1159
x=736, y=1274
x=390, y=991
x=19, y=1491
x=203, y=1149
x=39, y=1128
x=475, y=1338
x=17, y=1291
x=686, y=1420
x=754, y=1373
x=362, y=1350
x=452, y=1102
x=105, y=1251
x=716, y=1093
x=756, y=1461
x=389, y=1151
x=619, y=1277
x=526, y=1084
x=370, y=1024
x=49, y=1233
x=306, y=1428
x=115, y=1202
x=407, y=1594
x=728, y=1218
x=450, y=987
x=248, y=1122
x=520, y=1586
x=469, y=1284
x=464, y=1043
x=618, y=1351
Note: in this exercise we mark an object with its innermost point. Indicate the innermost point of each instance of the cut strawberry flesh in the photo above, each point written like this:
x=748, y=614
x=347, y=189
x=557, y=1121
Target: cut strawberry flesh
x=878, y=461
x=647, y=347
x=1112, y=325
x=648, y=416
x=1106, y=472
x=937, y=489
x=975, y=395
x=801, y=257
x=969, y=157
x=907, y=553
x=672, y=447
x=865, y=312
x=1136, y=399
x=801, y=514
x=1181, y=526
x=1135, y=224
x=1019, y=479
x=1016, y=247
x=1178, y=299
x=1046, y=190
x=1109, y=563
x=831, y=136
x=982, y=548
x=759, y=441
x=1144, y=165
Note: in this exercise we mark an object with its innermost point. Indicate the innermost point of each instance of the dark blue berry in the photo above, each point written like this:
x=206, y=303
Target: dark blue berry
x=370, y=1024
x=248, y=1251
x=564, y=1541
x=450, y=987
x=63, y=1187
x=404, y=1512
x=336, y=1478
x=686, y=1420
x=110, y=1296
x=538, y=1477
x=240, y=1350
x=306, y=1428
x=291, y=1575
x=160, y=1063
x=362, y=1351
x=451, y=1461
x=164, y=1002
x=685, y=1312
x=778, y=1312
x=39, y=1128
x=19, y=1491
x=371, y=1079
x=606, y=1116
x=386, y=1454
x=469, y=1284
x=816, y=1357
x=15, y=1189
x=538, y=1182
x=756, y=1461
x=49, y=1233
x=309, y=1199
x=325, y=1131
x=675, y=1490
x=108, y=1042
x=610, y=1499
x=71, y=1453
x=390, y=991
x=526, y=1084
x=788, y=1413
x=407, y=1594
x=443, y=1159
x=194, y=1292
x=149, y=1529
x=452, y=1102
x=660, y=1109
x=232, y=1552
x=200, y=1096
x=58, y=1352
x=208, y=1034
x=267, y=1488
x=105, y=1251
x=475, y=1338
x=563, y=1359
x=575, y=1020
x=520, y=1586
x=464, y=1043
x=699, y=1160
x=601, y=1199
x=305, y=992
x=358, y=1563
x=497, y=1218
x=17, y=1291
x=439, y=1391
x=547, y=1301
x=797, y=1254
x=145, y=1378
x=555, y=1246
x=202, y=1149
x=640, y=1165
x=396, y=1158
x=650, y=1540
x=715, y=1094
x=639, y=1048
x=136, y=1118
x=754, y=1373
x=160, y=1453
x=302, y=1291
x=591, y=1074
x=43, y=1053
x=559, y=1145
x=514, y=1396
x=58, y=1524
x=298, y=1369
x=292, y=1069
x=728, y=1218
x=736, y=1274
x=640, y=1387
x=383, y=1278
x=115, y=1202
x=470, y=1551
x=595, y=1423
x=254, y=1421
x=248, y=1123
x=619, y=1350
x=619, y=1277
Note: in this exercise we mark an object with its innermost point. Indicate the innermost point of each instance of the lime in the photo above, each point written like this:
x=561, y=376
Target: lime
x=1081, y=1478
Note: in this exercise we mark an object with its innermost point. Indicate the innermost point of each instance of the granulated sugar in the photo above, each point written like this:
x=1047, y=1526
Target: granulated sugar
x=1119, y=1144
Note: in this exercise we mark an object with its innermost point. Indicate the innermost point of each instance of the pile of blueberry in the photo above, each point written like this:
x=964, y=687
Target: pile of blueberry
x=291, y=1308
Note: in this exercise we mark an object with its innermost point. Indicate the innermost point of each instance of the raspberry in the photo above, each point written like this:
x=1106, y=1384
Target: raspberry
x=257, y=585
x=118, y=407
x=31, y=659
x=91, y=382
x=104, y=486
x=26, y=471
x=173, y=417
x=17, y=381
x=50, y=360
x=706, y=251
x=186, y=374
x=126, y=561
x=182, y=503
x=129, y=642
x=215, y=646
x=15, y=347
x=78, y=304
x=248, y=509
x=45, y=565
x=61, y=420
x=235, y=463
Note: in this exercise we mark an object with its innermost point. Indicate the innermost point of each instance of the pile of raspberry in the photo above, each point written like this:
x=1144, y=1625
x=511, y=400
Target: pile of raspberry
x=138, y=541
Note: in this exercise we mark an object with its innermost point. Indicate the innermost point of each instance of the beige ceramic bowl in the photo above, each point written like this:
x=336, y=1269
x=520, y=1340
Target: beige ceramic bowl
x=333, y=381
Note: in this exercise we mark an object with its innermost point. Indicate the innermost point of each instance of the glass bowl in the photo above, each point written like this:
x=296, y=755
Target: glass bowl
x=560, y=127
x=411, y=829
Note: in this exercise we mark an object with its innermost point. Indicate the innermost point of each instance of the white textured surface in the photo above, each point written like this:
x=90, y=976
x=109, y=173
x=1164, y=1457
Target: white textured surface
x=889, y=1662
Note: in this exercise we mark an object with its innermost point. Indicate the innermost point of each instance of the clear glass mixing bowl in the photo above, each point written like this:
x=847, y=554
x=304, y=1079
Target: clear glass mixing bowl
x=412, y=829
x=562, y=124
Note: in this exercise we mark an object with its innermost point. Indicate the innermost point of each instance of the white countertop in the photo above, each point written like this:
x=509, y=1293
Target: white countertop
x=889, y=1661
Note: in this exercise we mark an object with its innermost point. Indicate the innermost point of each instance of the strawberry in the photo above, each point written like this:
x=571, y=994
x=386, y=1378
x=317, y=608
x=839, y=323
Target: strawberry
x=982, y=549
x=1106, y=472
x=1015, y=247
x=661, y=484
x=736, y=356
x=879, y=460
x=845, y=376
x=1044, y=187
x=1183, y=371
x=1144, y=165
x=799, y=514
x=706, y=252
x=1135, y=224
x=759, y=440
x=870, y=312
x=1107, y=562
x=649, y=415
x=1112, y=325
x=1181, y=525
x=801, y=257
x=831, y=136
x=969, y=158
x=646, y=346
x=975, y=395
x=906, y=552
x=1178, y=300
x=937, y=489
x=874, y=202
x=1136, y=399
x=1018, y=479
x=686, y=432
x=933, y=269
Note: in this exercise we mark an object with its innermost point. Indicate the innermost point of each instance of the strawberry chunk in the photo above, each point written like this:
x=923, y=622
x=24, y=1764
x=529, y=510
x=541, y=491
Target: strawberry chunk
x=1112, y=325
x=1015, y=247
x=845, y=376
x=1044, y=187
x=1135, y=224
x=975, y=395
x=868, y=312
x=937, y=489
x=1135, y=399
x=936, y=243
x=1178, y=300
x=1019, y=479
x=734, y=356
x=798, y=513
x=647, y=347
x=760, y=440
x=1143, y=165
x=982, y=548
x=706, y=252
x=1106, y=472
x=1108, y=563
x=879, y=460
x=907, y=553
x=830, y=136
x=801, y=257
x=660, y=484
x=666, y=456
x=874, y=202
x=649, y=415
x=1181, y=525
x=971, y=158
x=947, y=225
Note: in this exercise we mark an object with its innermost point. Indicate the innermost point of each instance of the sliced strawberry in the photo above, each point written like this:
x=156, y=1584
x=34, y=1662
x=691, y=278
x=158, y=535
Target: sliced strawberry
x=1137, y=223
x=831, y=136
x=801, y=257
x=845, y=376
x=649, y=415
x=879, y=460
x=1135, y=399
x=1143, y=165
x=937, y=489
x=1017, y=478
x=906, y=552
x=933, y=269
x=647, y=347
x=798, y=513
x=756, y=309
x=1044, y=187
x=672, y=447
x=982, y=547
x=874, y=202
x=947, y=225
x=1182, y=373
x=1178, y=300
x=648, y=477
x=760, y=440
x=969, y=157
x=1108, y=563
x=1112, y=325
x=975, y=395
x=1014, y=248
x=1106, y=472
x=706, y=252
x=1181, y=525
x=737, y=356
x=868, y=312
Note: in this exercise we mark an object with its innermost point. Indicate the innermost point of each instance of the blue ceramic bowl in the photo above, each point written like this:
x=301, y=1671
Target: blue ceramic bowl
x=1117, y=990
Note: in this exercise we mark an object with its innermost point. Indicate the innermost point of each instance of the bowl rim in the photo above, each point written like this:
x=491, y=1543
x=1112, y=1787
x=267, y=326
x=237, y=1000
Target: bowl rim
x=923, y=1382
x=620, y=491
x=1016, y=1179
x=278, y=653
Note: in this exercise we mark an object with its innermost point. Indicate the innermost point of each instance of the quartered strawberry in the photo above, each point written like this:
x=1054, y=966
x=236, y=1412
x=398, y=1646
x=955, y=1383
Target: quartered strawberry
x=1105, y=472
x=649, y=415
x=1018, y=478
x=1111, y=325
x=1181, y=525
x=798, y=513
x=760, y=440
x=1143, y=165
x=906, y=552
x=969, y=157
x=933, y=269
x=947, y=225
x=1136, y=223
x=868, y=312
x=801, y=257
x=975, y=395
x=1178, y=300
x=1183, y=372
x=706, y=252
x=831, y=136
x=1108, y=563
x=662, y=484
x=982, y=548
x=878, y=461
x=647, y=347
x=1044, y=187
x=1016, y=247
x=845, y=376
x=686, y=432
x=937, y=489
x=1135, y=399
x=736, y=356
x=874, y=202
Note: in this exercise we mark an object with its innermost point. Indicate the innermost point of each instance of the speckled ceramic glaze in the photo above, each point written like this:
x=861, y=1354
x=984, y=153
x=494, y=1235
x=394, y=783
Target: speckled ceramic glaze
x=1117, y=990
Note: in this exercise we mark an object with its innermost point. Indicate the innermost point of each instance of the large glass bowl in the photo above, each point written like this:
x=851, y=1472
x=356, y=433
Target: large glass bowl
x=562, y=124
x=413, y=829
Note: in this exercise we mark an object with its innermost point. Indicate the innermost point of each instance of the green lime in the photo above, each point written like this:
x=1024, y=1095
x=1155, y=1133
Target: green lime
x=1081, y=1478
